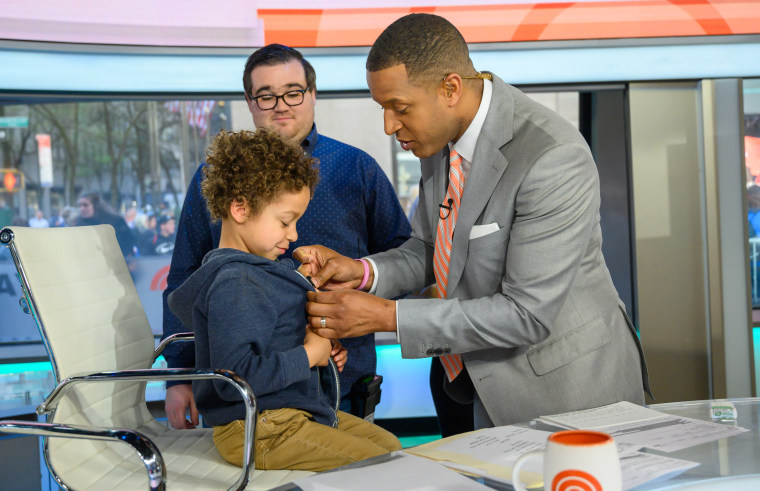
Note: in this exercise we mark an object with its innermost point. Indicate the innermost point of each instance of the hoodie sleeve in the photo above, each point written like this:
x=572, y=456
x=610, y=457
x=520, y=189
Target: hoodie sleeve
x=241, y=321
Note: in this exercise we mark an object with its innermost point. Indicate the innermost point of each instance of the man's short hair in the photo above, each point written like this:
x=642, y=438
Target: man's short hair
x=256, y=167
x=276, y=54
x=428, y=46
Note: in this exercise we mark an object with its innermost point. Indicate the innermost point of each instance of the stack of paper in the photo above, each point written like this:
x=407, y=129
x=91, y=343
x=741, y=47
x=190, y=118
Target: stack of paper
x=599, y=418
x=637, y=426
x=490, y=452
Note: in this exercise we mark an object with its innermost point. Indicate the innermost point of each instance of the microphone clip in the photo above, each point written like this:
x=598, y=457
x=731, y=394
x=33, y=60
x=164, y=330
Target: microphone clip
x=443, y=215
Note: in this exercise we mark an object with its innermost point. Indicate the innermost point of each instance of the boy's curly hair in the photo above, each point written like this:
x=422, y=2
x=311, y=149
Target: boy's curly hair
x=255, y=166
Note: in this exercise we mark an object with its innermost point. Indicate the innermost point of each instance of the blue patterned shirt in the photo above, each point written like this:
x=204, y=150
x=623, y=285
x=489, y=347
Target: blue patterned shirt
x=355, y=211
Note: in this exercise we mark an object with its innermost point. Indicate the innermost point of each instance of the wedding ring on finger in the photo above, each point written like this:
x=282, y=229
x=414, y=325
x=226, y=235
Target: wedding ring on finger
x=323, y=322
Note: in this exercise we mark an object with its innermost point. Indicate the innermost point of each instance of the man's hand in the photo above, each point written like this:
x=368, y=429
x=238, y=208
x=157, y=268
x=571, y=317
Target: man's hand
x=178, y=398
x=329, y=270
x=349, y=313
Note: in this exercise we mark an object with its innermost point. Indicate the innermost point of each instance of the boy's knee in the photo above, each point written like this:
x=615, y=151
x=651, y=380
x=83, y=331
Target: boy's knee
x=391, y=443
x=385, y=439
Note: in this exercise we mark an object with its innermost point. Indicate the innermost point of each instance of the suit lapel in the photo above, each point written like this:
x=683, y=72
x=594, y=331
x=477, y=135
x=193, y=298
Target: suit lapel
x=488, y=167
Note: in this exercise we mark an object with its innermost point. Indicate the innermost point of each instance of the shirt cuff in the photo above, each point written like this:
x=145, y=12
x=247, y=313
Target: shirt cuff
x=398, y=332
x=373, y=289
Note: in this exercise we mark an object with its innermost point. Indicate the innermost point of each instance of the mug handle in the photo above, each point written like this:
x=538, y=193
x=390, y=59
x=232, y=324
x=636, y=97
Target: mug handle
x=516, y=483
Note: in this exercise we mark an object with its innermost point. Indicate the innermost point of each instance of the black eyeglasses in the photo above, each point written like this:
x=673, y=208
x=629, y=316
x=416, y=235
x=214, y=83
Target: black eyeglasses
x=291, y=98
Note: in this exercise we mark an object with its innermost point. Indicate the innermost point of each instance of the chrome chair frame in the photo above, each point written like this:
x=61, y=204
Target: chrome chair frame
x=143, y=446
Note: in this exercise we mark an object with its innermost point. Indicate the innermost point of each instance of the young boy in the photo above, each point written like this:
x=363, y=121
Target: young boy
x=248, y=313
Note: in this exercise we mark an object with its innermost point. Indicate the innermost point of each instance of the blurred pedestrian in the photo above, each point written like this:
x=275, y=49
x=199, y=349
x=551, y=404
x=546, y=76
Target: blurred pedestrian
x=94, y=211
x=39, y=220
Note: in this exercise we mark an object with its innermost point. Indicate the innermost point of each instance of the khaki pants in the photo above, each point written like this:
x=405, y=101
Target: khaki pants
x=290, y=439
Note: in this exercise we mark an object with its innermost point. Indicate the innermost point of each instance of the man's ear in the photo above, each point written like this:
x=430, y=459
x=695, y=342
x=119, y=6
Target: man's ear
x=239, y=210
x=452, y=88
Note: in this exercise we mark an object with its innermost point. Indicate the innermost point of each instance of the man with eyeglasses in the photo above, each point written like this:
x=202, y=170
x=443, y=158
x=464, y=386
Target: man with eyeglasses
x=355, y=209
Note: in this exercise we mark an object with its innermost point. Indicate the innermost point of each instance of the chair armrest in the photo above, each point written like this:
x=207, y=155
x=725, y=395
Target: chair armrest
x=153, y=374
x=145, y=448
x=180, y=336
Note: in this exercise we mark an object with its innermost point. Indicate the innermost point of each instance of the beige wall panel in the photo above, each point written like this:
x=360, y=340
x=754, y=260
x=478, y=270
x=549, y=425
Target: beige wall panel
x=670, y=252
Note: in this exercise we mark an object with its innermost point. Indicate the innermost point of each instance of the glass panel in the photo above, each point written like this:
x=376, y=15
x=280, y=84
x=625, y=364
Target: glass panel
x=23, y=386
x=132, y=157
x=563, y=103
x=752, y=163
x=751, y=94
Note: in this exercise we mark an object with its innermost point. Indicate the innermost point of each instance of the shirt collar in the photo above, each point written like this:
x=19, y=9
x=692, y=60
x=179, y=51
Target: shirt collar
x=465, y=146
x=311, y=140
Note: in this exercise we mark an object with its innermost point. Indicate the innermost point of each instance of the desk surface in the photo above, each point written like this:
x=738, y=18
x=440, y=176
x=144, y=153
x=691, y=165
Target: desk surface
x=730, y=463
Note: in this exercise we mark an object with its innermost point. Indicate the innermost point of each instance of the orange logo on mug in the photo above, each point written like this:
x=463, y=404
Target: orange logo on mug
x=575, y=480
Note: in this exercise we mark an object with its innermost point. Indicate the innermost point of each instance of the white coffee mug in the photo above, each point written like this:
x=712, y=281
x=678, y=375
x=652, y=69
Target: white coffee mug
x=576, y=460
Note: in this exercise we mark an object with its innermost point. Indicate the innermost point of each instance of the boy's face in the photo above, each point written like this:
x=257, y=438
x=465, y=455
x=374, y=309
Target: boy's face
x=270, y=233
x=292, y=123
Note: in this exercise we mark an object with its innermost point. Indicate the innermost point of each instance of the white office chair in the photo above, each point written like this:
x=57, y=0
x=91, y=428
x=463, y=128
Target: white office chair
x=99, y=433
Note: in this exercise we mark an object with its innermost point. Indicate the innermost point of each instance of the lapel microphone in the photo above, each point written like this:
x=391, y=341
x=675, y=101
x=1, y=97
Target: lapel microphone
x=443, y=215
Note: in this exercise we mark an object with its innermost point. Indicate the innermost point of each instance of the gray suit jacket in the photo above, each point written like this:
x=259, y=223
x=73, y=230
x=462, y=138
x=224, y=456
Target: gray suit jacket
x=531, y=308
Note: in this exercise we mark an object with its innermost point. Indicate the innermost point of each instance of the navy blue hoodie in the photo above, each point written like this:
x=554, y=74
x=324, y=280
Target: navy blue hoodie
x=248, y=315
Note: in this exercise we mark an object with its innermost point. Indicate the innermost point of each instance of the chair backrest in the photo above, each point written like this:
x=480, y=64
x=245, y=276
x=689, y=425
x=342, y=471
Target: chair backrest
x=80, y=291
x=86, y=305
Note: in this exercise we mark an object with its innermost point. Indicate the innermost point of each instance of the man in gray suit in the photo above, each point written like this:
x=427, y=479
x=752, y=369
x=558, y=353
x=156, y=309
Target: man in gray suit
x=528, y=301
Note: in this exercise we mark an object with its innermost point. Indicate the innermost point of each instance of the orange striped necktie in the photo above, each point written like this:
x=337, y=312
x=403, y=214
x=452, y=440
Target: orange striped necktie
x=442, y=252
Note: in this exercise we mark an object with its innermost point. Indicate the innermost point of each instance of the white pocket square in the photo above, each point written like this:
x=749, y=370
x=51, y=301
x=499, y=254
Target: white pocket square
x=481, y=230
